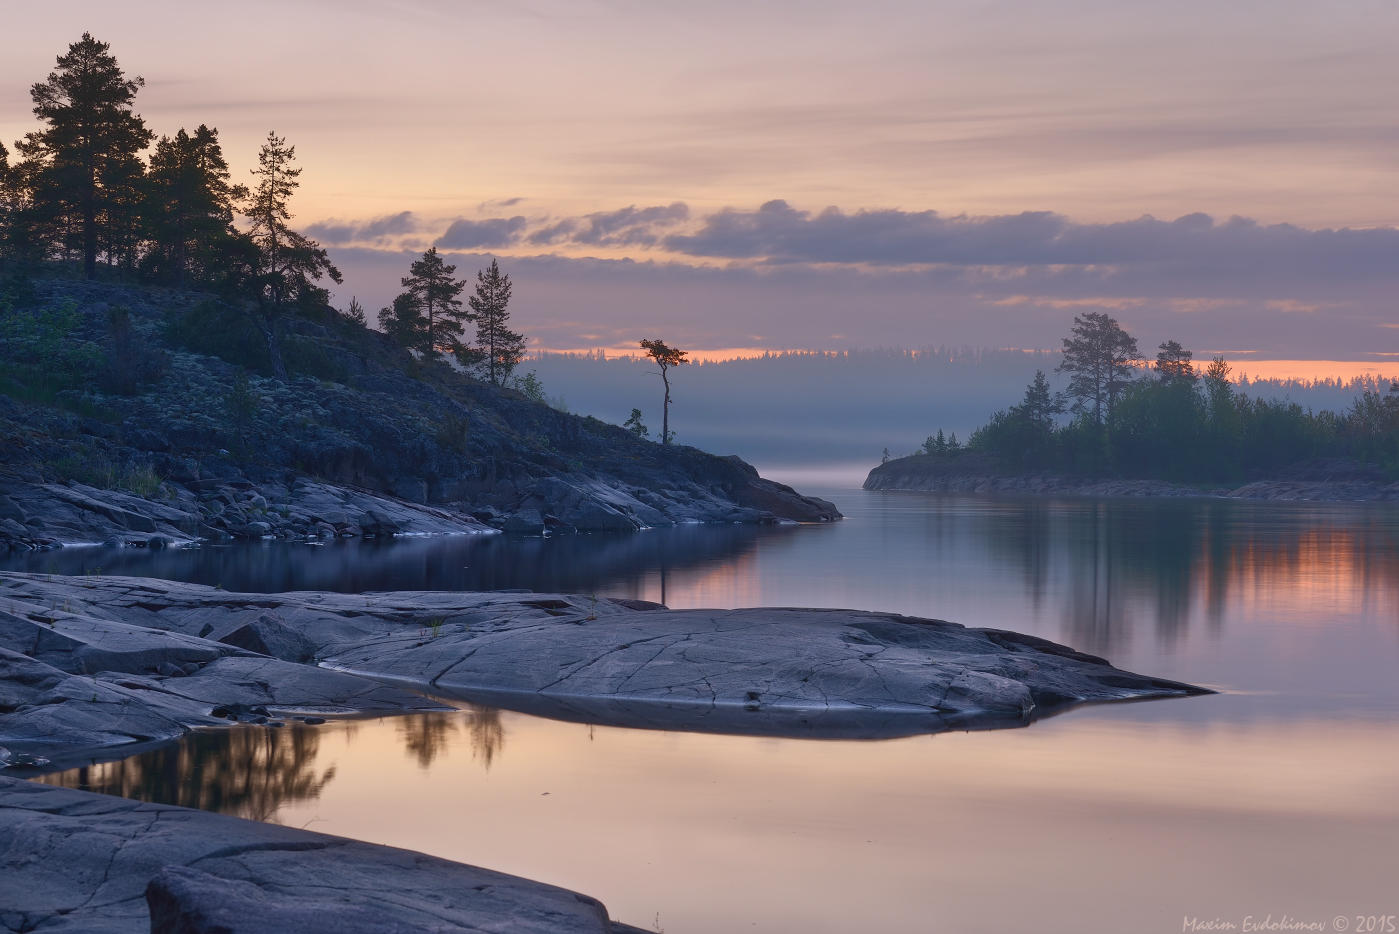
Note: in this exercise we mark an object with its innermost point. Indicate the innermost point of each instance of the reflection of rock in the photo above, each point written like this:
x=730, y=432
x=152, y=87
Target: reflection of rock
x=769, y=671
x=76, y=861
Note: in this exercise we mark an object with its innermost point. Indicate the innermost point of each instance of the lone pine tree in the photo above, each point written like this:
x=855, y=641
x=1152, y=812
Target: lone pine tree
x=665, y=357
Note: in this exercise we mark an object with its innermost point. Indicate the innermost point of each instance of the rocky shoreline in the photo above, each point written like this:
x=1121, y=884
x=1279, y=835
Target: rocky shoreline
x=918, y=474
x=96, y=668
x=39, y=516
x=181, y=436
x=71, y=861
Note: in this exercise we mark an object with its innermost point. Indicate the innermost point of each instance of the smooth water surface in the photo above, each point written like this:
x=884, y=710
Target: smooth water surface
x=1276, y=797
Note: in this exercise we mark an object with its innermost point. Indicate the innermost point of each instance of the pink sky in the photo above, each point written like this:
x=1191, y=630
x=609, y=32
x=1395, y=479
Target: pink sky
x=815, y=174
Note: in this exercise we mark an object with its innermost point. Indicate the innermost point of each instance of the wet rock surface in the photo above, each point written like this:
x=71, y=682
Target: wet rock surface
x=759, y=671
x=81, y=862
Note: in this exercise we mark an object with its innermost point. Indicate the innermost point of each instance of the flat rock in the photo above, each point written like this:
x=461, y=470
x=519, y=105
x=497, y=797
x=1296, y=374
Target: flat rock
x=79, y=682
x=769, y=671
x=81, y=862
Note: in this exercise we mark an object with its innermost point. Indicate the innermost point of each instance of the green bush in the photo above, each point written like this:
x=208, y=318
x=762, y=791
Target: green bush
x=43, y=352
x=216, y=330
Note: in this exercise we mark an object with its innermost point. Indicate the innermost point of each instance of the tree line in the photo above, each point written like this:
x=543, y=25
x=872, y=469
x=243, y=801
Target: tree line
x=78, y=192
x=1122, y=415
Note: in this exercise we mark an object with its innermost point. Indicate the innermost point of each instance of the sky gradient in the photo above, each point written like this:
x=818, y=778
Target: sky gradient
x=816, y=175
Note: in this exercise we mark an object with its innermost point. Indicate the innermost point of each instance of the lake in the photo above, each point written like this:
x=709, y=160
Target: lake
x=1271, y=803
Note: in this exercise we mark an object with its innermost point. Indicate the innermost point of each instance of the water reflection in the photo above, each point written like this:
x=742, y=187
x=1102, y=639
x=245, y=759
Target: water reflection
x=1111, y=576
x=1119, y=818
x=250, y=771
x=1114, y=565
x=427, y=736
x=567, y=563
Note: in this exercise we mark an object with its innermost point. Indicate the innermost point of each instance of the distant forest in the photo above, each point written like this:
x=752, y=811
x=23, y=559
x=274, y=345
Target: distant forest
x=1123, y=416
x=797, y=408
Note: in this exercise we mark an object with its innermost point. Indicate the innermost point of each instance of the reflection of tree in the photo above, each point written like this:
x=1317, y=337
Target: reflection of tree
x=248, y=771
x=1112, y=557
x=425, y=735
x=487, y=734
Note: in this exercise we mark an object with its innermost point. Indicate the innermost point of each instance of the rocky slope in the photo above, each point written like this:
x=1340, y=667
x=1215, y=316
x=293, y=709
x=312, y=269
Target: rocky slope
x=166, y=425
x=71, y=861
x=89, y=665
x=972, y=473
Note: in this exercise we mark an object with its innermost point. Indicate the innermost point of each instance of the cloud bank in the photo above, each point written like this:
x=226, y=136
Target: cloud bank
x=782, y=277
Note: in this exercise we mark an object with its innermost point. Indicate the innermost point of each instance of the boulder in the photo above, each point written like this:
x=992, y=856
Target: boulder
x=376, y=523
x=267, y=635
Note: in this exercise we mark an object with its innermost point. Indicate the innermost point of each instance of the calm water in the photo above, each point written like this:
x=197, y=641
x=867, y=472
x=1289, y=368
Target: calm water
x=1276, y=797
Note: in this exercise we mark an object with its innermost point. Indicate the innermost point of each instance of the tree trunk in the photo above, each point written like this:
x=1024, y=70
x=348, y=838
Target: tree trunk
x=665, y=410
x=268, y=324
x=90, y=230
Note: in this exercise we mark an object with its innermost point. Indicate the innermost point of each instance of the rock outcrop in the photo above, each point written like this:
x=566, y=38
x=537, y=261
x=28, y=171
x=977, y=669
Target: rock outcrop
x=71, y=861
x=362, y=439
x=129, y=660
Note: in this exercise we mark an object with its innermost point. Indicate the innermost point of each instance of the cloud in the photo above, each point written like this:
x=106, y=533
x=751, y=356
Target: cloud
x=466, y=234
x=629, y=226
x=376, y=230
x=1196, y=245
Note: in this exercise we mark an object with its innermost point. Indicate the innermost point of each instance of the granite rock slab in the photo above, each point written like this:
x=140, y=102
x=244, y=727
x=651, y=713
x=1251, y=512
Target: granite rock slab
x=764, y=671
x=72, y=861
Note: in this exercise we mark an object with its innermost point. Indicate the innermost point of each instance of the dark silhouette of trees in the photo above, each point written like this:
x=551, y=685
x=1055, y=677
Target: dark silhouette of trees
x=84, y=169
x=1098, y=357
x=635, y=425
x=9, y=204
x=428, y=316
x=1173, y=364
x=1180, y=426
x=355, y=313
x=665, y=357
x=288, y=264
x=502, y=348
x=403, y=321
x=188, y=209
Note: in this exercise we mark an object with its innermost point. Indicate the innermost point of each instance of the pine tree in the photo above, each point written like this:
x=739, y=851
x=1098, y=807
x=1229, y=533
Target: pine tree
x=635, y=425
x=355, y=313
x=9, y=206
x=85, y=164
x=502, y=348
x=431, y=316
x=667, y=357
x=1173, y=364
x=1040, y=406
x=188, y=208
x=403, y=322
x=1098, y=358
x=287, y=264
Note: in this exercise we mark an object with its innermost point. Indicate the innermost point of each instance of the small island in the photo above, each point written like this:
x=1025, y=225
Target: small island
x=1158, y=429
